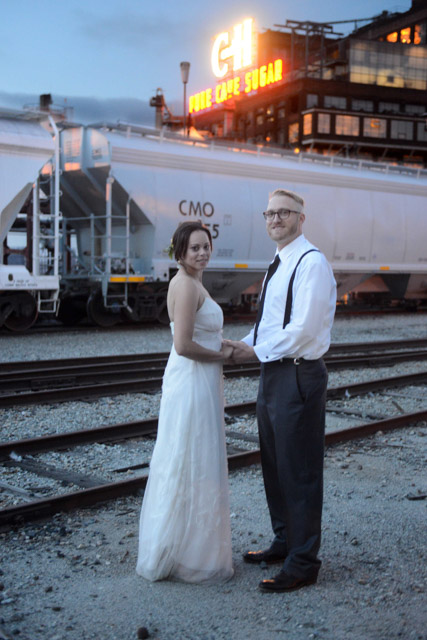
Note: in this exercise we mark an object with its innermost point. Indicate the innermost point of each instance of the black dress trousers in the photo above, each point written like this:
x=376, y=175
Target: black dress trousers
x=291, y=419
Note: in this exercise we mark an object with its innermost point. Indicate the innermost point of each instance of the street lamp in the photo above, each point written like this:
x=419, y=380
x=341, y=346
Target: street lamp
x=185, y=72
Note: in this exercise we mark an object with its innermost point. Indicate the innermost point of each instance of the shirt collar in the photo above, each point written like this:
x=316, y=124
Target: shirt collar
x=291, y=247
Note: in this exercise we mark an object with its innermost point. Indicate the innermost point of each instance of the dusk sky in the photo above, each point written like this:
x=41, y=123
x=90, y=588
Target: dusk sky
x=107, y=57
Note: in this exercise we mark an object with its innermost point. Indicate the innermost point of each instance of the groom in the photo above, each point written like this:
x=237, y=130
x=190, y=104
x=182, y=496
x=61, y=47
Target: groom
x=290, y=336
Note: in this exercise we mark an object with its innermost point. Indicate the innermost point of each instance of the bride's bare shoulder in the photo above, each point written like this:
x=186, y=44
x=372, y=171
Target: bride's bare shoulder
x=184, y=289
x=181, y=284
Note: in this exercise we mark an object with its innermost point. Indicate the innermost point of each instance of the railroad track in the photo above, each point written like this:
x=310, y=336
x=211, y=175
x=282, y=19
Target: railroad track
x=51, y=381
x=12, y=453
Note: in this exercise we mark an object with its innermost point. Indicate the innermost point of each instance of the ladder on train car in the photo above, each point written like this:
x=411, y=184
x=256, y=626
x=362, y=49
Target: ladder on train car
x=46, y=231
x=111, y=300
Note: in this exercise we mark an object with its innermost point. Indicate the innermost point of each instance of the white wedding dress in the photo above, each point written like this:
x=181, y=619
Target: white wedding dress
x=185, y=519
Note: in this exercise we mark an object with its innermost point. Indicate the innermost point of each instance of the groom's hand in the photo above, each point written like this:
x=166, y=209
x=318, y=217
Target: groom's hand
x=242, y=352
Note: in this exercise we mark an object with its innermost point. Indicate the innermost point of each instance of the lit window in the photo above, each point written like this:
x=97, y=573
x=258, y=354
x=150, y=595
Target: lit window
x=308, y=124
x=405, y=35
x=293, y=132
x=402, y=129
x=323, y=123
x=379, y=64
x=347, y=125
x=260, y=119
x=374, y=127
x=420, y=34
x=392, y=37
x=417, y=34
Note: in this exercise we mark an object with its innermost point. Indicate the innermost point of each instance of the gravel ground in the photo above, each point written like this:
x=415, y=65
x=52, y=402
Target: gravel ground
x=39, y=420
x=94, y=342
x=73, y=577
x=104, y=461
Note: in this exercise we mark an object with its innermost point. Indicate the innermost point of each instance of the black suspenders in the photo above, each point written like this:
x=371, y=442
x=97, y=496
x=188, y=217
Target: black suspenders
x=288, y=307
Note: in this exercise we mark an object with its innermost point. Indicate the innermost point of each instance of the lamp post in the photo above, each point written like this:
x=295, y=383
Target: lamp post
x=185, y=72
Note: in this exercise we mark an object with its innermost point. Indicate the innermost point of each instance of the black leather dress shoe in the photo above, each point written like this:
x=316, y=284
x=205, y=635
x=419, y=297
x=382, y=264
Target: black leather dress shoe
x=284, y=582
x=267, y=556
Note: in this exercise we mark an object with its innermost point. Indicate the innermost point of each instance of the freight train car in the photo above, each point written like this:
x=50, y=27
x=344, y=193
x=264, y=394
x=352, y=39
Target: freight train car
x=100, y=248
x=125, y=189
x=29, y=277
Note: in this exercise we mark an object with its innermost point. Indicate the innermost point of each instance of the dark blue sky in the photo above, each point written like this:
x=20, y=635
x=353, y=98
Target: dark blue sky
x=107, y=57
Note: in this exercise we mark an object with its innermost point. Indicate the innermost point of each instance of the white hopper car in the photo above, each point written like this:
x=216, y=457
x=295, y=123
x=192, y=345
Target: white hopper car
x=125, y=189
x=28, y=284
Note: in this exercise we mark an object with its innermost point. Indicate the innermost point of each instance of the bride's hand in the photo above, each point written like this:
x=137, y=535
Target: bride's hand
x=227, y=351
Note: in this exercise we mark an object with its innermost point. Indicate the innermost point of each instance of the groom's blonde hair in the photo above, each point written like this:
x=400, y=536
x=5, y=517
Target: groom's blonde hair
x=289, y=194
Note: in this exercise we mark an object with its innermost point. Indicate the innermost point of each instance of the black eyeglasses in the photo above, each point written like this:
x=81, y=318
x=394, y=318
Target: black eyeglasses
x=282, y=214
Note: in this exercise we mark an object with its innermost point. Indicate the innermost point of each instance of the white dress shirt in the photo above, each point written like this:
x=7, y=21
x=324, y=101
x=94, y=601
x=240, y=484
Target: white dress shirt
x=308, y=333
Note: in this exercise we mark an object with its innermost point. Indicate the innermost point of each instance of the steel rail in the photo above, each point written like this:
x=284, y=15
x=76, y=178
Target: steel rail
x=63, y=377
x=18, y=515
x=81, y=392
x=141, y=428
x=381, y=345
x=77, y=375
x=67, y=440
x=66, y=363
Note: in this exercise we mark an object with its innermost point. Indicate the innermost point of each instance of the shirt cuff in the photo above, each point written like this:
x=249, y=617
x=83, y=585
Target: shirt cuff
x=263, y=351
x=249, y=339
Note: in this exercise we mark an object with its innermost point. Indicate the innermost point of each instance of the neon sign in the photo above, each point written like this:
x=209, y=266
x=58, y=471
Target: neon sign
x=227, y=58
x=245, y=83
x=240, y=49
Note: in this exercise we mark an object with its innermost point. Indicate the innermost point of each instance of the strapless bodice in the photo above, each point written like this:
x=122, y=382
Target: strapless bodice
x=208, y=324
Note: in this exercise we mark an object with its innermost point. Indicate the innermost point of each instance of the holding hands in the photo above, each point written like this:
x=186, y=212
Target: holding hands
x=235, y=352
x=227, y=351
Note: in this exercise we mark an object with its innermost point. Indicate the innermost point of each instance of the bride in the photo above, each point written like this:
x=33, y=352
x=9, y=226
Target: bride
x=185, y=520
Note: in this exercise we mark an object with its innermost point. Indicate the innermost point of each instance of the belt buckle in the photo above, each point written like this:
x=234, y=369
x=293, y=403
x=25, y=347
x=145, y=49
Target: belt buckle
x=297, y=361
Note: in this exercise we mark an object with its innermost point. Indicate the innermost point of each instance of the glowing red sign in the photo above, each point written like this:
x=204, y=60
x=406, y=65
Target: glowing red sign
x=252, y=80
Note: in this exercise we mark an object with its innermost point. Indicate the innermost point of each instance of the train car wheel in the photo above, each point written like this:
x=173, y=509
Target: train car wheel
x=98, y=314
x=24, y=315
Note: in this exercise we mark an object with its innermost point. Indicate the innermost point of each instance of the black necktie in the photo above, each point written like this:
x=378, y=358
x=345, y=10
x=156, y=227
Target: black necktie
x=270, y=272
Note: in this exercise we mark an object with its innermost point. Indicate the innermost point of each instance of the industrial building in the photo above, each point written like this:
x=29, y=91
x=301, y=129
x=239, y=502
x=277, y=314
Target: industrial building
x=309, y=88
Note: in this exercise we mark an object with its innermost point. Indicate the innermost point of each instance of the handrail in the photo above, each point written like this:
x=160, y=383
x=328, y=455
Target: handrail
x=259, y=150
